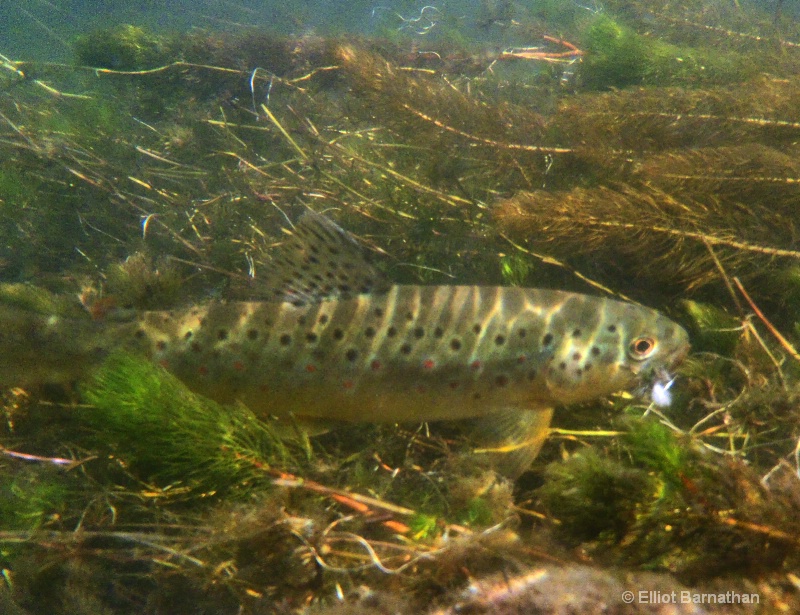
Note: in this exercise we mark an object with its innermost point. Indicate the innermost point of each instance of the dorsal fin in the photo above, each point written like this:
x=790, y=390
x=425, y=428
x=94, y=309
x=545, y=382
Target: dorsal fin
x=319, y=262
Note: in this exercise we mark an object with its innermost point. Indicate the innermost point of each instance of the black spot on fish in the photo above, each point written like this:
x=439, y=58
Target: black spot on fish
x=186, y=336
x=419, y=332
x=409, y=315
x=405, y=348
x=286, y=339
x=369, y=332
x=161, y=345
x=323, y=320
x=345, y=288
x=547, y=339
x=522, y=332
x=500, y=340
x=595, y=351
x=587, y=367
x=252, y=334
x=455, y=343
x=612, y=328
x=391, y=332
x=338, y=334
x=222, y=334
x=301, y=321
x=351, y=354
x=501, y=380
x=378, y=313
x=476, y=329
x=576, y=333
x=314, y=260
x=532, y=375
x=562, y=365
x=311, y=337
x=438, y=332
x=139, y=334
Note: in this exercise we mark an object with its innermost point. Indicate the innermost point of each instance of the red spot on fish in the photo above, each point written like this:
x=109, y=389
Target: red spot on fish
x=311, y=368
x=203, y=370
x=238, y=366
x=164, y=363
x=454, y=385
x=522, y=358
x=428, y=364
x=476, y=365
x=348, y=384
x=375, y=365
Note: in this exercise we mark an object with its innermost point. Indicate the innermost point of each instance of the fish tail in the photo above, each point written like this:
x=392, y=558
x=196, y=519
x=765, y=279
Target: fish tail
x=47, y=338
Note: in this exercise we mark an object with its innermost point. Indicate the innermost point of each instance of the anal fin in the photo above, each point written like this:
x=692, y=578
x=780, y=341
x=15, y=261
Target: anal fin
x=512, y=437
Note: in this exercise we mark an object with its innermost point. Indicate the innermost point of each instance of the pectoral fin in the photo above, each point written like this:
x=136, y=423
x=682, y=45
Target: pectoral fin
x=512, y=437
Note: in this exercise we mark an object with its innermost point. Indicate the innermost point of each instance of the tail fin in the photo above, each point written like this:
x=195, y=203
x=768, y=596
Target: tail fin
x=45, y=338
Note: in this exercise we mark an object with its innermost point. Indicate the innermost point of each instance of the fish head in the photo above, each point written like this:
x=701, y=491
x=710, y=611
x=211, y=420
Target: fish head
x=630, y=346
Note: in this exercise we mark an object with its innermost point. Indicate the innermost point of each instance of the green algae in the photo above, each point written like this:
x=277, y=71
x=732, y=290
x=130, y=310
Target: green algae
x=667, y=504
x=168, y=435
x=617, y=57
x=32, y=500
x=713, y=329
x=123, y=47
x=658, y=191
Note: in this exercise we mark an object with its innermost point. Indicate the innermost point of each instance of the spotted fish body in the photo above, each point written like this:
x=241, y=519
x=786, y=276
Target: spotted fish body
x=335, y=342
x=412, y=353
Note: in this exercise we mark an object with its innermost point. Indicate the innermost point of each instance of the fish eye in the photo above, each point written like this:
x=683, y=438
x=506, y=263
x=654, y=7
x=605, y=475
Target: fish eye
x=641, y=348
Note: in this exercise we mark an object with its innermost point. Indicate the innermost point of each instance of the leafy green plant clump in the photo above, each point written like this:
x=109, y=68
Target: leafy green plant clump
x=123, y=47
x=617, y=56
x=666, y=504
x=167, y=434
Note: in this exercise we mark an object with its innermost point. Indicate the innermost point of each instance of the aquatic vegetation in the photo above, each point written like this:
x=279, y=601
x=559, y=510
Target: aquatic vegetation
x=168, y=435
x=124, y=47
x=616, y=57
x=663, y=503
x=657, y=160
x=138, y=282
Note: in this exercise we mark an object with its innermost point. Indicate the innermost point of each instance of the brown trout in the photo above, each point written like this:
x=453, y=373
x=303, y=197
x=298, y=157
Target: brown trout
x=335, y=342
